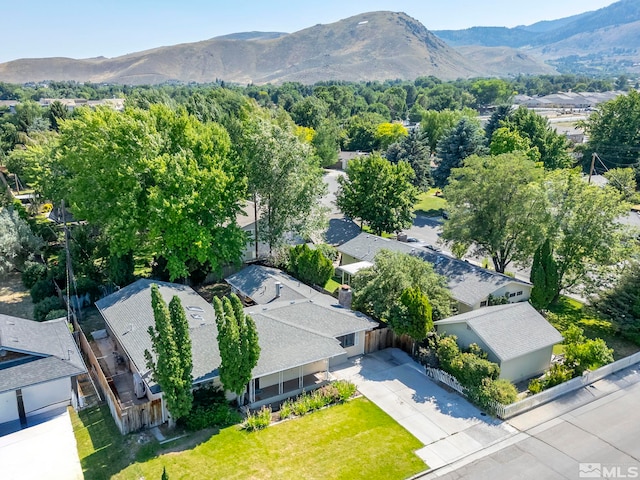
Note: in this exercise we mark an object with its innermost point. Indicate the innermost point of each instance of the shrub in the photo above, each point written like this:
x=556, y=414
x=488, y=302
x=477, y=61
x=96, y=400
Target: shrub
x=328, y=251
x=42, y=289
x=345, y=389
x=500, y=391
x=286, y=409
x=584, y=354
x=536, y=385
x=258, y=420
x=54, y=314
x=42, y=308
x=87, y=285
x=32, y=273
x=310, y=266
x=217, y=415
x=556, y=375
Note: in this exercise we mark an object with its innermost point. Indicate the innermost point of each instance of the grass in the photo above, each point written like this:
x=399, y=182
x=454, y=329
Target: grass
x=567, y=312
x=352, y=440
x=430, y=205
x=332, y=285
x=14, y=298
x=367, y=229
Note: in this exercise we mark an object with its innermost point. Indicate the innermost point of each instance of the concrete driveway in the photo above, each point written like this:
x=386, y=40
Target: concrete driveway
x=47, y=450
x=448, y=425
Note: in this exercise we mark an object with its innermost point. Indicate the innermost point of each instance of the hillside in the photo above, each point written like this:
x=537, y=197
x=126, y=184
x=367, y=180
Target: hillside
x=602, y=41
x=370, y=46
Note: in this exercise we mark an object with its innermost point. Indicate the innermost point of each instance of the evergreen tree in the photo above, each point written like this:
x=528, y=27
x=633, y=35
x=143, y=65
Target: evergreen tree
x=412, y=315
x=170, y=370
x=238, y=344
x=414, y=149
x=495, y=121
x=544, y=276
x=464, y=140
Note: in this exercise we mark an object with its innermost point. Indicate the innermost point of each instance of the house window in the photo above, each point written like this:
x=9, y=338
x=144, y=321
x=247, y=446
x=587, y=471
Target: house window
x=519, y=293
x=347, y=340
x=512, y=295
x=483, y=304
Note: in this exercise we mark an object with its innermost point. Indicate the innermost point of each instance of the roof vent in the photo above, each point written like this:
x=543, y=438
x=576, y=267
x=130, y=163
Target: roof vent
x=10, y=322
x=193, y=308
x=196, y=316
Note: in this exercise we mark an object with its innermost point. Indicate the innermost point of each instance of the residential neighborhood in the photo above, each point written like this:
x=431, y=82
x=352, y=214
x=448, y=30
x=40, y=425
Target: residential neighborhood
x=365, y=271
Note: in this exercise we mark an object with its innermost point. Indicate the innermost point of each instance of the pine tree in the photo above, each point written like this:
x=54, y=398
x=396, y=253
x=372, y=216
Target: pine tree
x=238, y=344
x=180, y=326
x=414, y=149
x=169, y=370
x=544, y=276
x=464, y=140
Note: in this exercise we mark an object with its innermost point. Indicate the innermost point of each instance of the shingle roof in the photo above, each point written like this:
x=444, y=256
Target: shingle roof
x=511, y=330
x=129, y=315
x=468, y=283
x=259, y=283
x=329, y=320
x=47, y=349
x=283, y=345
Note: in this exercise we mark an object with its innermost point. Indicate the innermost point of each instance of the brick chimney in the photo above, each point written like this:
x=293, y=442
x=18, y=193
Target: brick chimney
x=345, y=295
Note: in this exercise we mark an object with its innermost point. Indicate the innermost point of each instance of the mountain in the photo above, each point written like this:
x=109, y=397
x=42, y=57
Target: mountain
x=602, y=41
x=370, y=46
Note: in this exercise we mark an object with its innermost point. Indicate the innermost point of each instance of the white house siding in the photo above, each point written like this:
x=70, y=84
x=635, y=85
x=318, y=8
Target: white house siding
x=8, y=407
x=358, y=347
x=526, y=366
x=348, y=259
x=514, y=288
x=47, y=396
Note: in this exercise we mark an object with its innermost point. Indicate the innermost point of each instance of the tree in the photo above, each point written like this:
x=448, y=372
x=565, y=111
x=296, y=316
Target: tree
x=326, y=142
x=285, y=181
x=17, y=241
x=412, y=315
x=414, y=149
x=436, y=124
x=621, y=303
x=497, y=203
x=155, y=181
x=583, y=226
x=623, y=180
x=388, y=133
x=238, y=344
x=544, y=276
x=490, y=91
x=362, y=132
x=378, y=193
x=310, y=265
x=310, y=112
x=169, y=369
x=378, y=289
x=614, y=133
x=495, y=120
x=464, y=140
x=552, y=146
x=506, y=140
x=57, y=112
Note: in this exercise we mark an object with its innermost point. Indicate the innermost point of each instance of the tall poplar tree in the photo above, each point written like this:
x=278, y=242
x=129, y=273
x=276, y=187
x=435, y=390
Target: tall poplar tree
x=544, y=276
x=237, y=343
x=170, y=369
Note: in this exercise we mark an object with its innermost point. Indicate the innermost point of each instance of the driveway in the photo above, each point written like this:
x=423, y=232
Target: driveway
x=47, y=450
x=448, y=425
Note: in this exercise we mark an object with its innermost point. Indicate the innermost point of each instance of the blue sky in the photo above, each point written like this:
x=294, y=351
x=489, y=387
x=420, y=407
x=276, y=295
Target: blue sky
x=91, y=28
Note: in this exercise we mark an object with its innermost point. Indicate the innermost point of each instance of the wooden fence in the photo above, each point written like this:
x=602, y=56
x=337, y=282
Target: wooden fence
x=384, y=337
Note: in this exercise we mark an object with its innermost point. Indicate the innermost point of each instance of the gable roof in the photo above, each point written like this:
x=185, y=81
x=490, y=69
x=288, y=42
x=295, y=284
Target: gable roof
x=469, y=284
x=283, y=345
x=259, y=283
x=328, y=320
x=48, y=352
x=510, y=330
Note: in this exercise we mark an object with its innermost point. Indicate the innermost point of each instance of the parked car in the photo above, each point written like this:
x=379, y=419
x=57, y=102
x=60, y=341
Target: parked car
x=433, y=247
x=445, y=214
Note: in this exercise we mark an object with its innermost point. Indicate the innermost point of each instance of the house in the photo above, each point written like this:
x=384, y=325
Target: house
x=39, y=367
x=470, y=285
x=515, y=336
x=298, y=342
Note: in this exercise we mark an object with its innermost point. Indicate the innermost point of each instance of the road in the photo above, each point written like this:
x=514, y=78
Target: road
x=594, y=429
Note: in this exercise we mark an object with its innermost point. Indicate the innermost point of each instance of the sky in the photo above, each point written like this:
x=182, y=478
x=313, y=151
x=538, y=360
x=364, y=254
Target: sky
x=92, y=28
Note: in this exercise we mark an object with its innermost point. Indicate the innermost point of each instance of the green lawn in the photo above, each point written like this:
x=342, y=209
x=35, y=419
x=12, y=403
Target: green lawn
x=430, y=205
x=567, y=312
x=332, y=285
x=353, y=440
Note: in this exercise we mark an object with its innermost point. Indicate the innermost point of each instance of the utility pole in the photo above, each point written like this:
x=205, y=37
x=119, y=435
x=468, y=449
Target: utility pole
x=593, y=163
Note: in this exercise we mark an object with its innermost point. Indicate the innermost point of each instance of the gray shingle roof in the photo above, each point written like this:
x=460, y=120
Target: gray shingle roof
x=511, y=330
x=47, y=352
x=329, y=320
x=468, y=283
x=283, y=345
x=259, y=283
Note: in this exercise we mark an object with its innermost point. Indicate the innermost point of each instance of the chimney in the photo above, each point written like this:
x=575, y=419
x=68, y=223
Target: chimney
x=345, y=296
x=278, y=288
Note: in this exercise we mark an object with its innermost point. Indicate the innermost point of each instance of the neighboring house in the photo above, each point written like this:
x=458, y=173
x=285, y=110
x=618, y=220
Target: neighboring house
x=515, y=336
x=39, y=366
x=469, y=284
x=246, y=220
x=292, y=358
x=344, y=157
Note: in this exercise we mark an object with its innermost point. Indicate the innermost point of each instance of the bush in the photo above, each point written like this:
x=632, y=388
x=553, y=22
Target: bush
x=258, y=420
x=286, y=409
x=87, y=285
x=42, y=289
x=501, y=391
x=42, y=308
x=217, y=415
x=556, y=375
x=345, y=389
x=310, y=266
x=55, y=314
x=328, y=251
x=582, y=354
x=536, y=385
x=32, y=273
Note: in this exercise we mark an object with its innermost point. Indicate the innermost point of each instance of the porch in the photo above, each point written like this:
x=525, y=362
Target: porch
x=287, y=383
